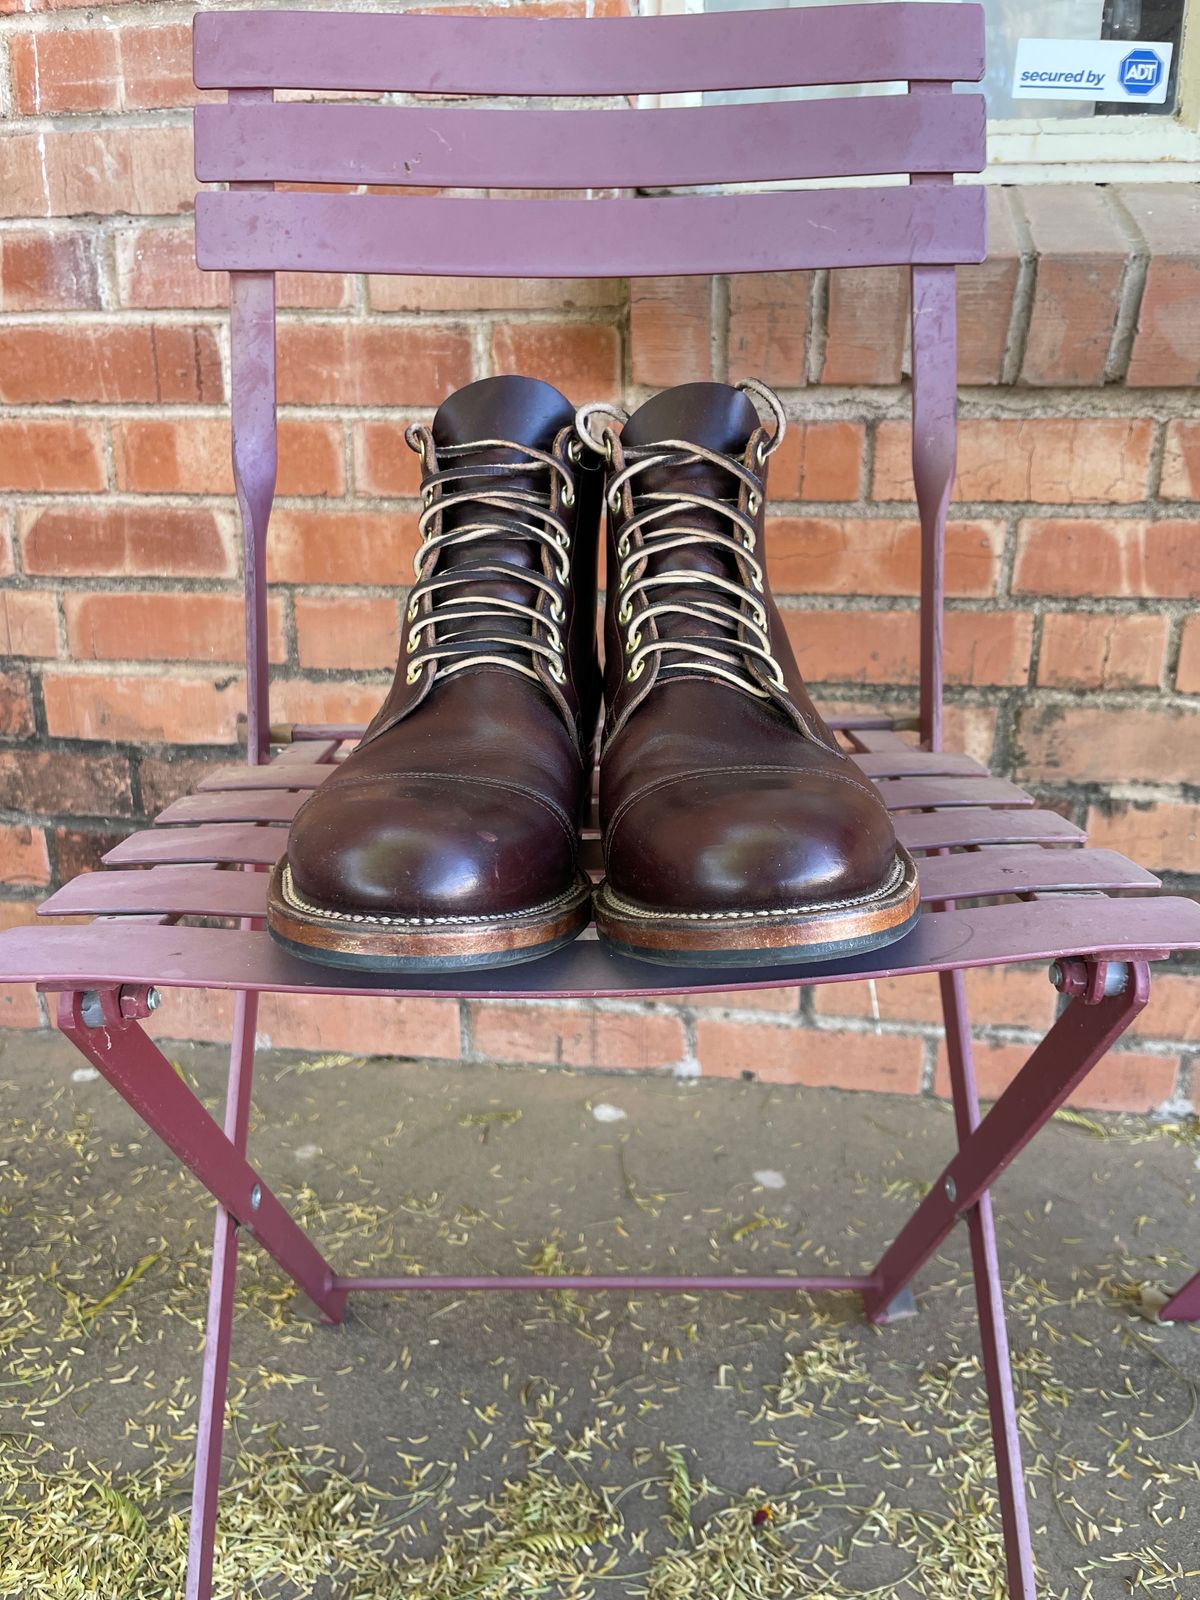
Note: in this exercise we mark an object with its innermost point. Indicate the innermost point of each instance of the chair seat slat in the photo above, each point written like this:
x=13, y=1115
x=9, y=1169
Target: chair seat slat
x=203, y=892
x=970, y=825
x=452, y=147
x=764, y=49
x=226, y=958
x=655, y=237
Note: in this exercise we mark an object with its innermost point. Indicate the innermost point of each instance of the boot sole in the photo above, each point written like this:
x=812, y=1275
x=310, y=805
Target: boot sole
x=369, y=942
x=828, y=931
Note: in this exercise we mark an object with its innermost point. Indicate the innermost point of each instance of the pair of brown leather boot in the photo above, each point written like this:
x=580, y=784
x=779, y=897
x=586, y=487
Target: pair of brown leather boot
x=735, y=831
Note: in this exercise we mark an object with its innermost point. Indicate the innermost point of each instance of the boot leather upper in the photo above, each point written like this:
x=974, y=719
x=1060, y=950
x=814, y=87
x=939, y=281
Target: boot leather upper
x=464, y=797
x=714, y=800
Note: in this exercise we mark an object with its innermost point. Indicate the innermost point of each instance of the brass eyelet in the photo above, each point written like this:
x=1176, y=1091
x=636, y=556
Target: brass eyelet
x=753, y=501
x=635, y=673
x=557, y=673
x=624, y=613
x=615, y=502
x=574, y=451
x=429, y=495
x=567, y=498
x=412, y=644
x=756, y=584
x=761, y=452
x=632, y=640
x=411, y=613
x=411, y=676
x=558, y=612
x=623, y=546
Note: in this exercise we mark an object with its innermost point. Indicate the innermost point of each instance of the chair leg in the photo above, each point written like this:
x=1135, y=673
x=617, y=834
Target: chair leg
x=989, y=1298
x=218, y=1331
x=1184, y=1304
x=117, y=1047
x=1080, y=1037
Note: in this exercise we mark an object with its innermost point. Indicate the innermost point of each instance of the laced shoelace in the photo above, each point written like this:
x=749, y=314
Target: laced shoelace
x=655, y=530
x=516, y=632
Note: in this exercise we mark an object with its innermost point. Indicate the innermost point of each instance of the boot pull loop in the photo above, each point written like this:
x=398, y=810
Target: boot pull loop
x=759, y=391
x=602, y=446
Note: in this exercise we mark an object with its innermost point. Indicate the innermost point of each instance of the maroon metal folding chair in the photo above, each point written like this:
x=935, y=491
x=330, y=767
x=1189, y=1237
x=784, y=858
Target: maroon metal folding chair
x=1034, y=891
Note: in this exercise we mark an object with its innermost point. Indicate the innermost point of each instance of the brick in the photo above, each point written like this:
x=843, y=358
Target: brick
x=321, y=1023
x=746, y=1000
x=163, y=779
x=144, y=540
x=1009, y=997
x=19, y=1004
x=156, y=268
x=191, y=455
x=156, y=68
x=1174, y=1009
x=775, y=1053
x=383, y=463
x=768, y=326
x=97, y=172
x=51, y=453
x=493, y=294
x=1082, y=251
x=42, y=270
x=1104, y=652
x=576, y=1036
x=985, y=295
x=306, y=700
x=346, y=632
x=24, y=860
x=1181, y=461
x=858, y=555
x=988, y=647
x=1162, y=836
x=1122, y=1081
x=865, y=325
x=164, y=627
x=1127, y=558
x=45, y=364
x=669, y=330
x=28, y=623
x=342, y=547
x=818, y=461
x=1166, y=346
x=153, y=708
x=1187, y=673
x=1055, y=460
x=58, y=783
x=323, y=363
x=580, y=358
x=971, y=729
x=79, y=850
x=78, y=69
x=16, y=706
x=1085, y=744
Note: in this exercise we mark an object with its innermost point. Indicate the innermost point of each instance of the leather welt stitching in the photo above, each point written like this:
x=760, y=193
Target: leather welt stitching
x=813, y=909
x=709, y=772
x=298, y=903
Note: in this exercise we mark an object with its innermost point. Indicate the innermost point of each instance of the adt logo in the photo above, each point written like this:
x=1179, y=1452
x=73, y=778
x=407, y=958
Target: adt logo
x=1141, y=71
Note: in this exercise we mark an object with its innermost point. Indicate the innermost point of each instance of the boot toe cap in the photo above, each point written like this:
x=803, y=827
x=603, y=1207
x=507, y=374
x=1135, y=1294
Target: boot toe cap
x=428, y=847
x=723, y=843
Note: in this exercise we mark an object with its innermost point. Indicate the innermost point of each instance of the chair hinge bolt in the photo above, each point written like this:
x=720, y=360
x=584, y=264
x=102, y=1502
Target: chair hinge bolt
x=951, y=1190
x=256, y=1197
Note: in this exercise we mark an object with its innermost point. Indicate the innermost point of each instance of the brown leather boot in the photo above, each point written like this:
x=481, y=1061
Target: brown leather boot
x=450, y=837
x=735, y=830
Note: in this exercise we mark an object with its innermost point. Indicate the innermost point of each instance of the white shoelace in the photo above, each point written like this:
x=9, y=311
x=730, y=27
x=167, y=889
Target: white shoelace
x=454, y=600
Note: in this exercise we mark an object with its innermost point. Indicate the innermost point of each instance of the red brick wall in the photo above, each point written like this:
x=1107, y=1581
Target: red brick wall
x=1074, y=549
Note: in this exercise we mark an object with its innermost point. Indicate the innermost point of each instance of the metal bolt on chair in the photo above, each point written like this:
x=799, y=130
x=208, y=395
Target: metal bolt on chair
x=1033, y=891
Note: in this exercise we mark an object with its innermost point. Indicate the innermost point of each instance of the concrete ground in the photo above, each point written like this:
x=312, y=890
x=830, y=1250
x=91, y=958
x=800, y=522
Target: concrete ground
x=717, y=1446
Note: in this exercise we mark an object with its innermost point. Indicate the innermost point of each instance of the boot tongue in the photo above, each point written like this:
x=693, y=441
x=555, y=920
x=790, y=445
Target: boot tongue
x=525, y=411
x=717, y=417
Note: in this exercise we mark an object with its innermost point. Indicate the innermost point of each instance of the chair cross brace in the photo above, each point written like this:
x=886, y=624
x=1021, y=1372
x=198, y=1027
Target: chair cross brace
x=1103, y=1000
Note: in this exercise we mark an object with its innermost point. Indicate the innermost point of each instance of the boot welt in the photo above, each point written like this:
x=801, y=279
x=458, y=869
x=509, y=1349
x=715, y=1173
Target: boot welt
x=372, y=942
x=820, y=931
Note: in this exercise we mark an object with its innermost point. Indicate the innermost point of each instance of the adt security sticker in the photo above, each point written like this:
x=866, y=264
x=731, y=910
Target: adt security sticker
x=1092, y=69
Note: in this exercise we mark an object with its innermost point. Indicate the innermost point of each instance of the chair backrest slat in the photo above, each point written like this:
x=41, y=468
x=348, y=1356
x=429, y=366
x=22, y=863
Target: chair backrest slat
x=768, y=49
x=452, y=147
x=774, y=232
